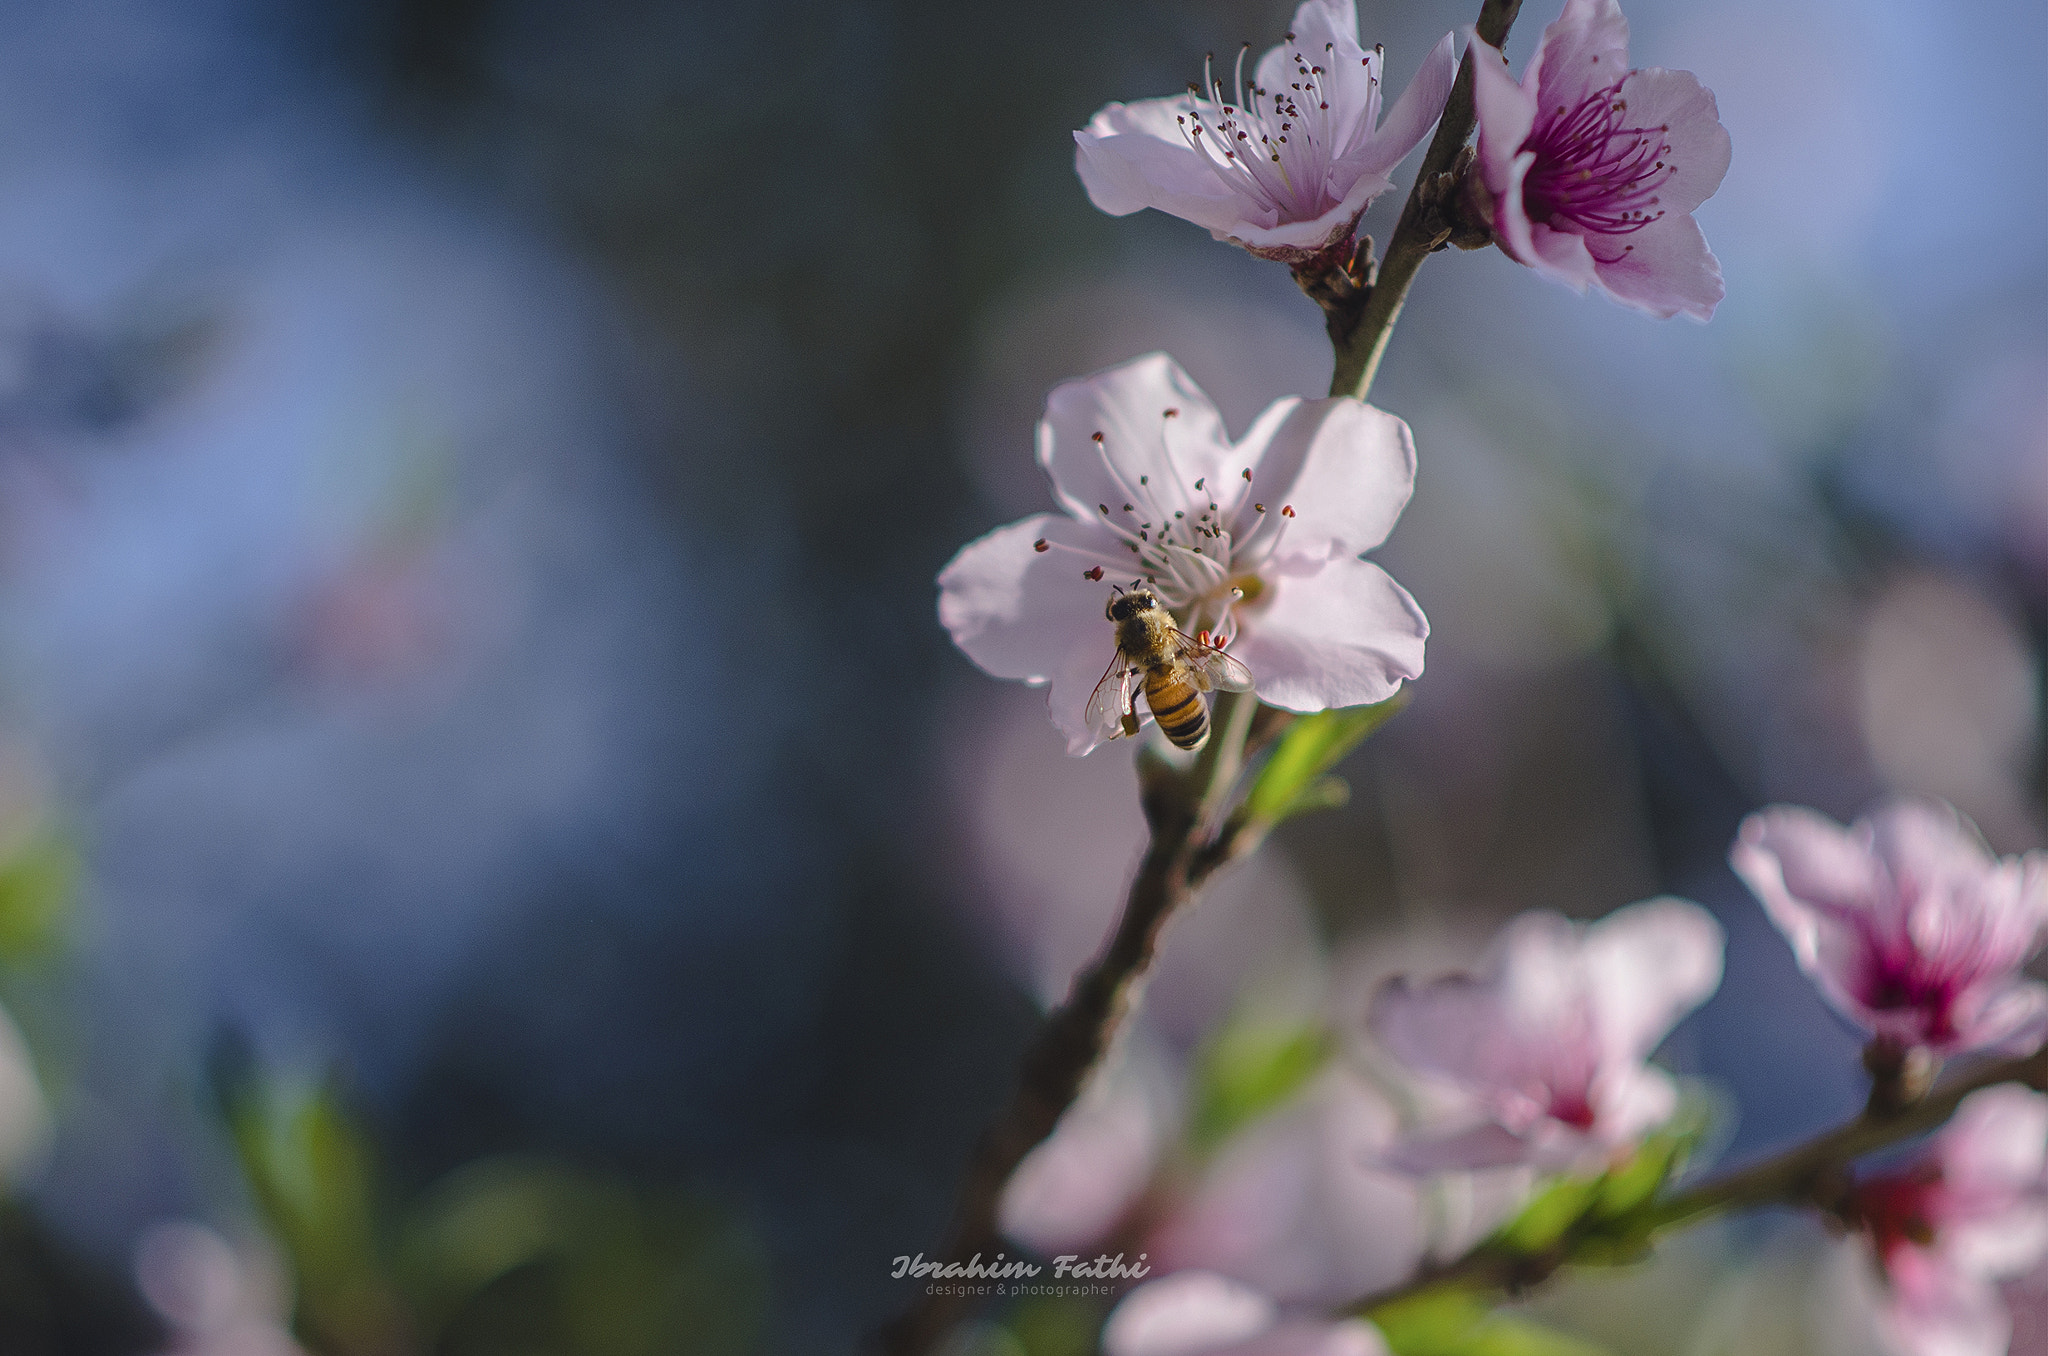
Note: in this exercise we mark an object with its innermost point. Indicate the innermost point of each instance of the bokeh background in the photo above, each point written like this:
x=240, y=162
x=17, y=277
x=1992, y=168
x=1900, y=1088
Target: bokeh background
x=496, y=854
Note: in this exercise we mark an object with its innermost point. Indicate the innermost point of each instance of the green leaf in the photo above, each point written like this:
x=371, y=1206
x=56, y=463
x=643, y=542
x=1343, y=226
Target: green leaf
x=1550, y=1215
x=1246, y=1070
x=519, y=1253
x=1429, y=1324
x=1459, y=1323
x=37, y=879
x=1505, y=1335
x=1292, y=780
x=312, y=1173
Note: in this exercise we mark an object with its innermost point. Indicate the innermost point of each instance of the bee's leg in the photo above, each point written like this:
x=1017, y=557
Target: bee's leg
x=1130, y=712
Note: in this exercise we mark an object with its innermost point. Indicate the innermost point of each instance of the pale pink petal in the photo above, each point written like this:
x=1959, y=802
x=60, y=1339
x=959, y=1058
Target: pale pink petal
x=1131, y=156
x=1413, y=114
x=2011, y=1021
x=1325, y=33
x=1145, y=457
x=1472, y=1149
x=1507, y=113
x=1927, y=841
x=1293, y=240
x=1697, y=145
x=1563, y=256
x=1198, y=1313
x=1632, y=1101
x=1648, y=965
x=1018, y=612
x=1345, y=468
x=1346, y=635
x=1803, y=860
x=1071, y=1190
x=1186, y=1313
x=1997, y=1140
x=1949, y=1314
x=1314, y=1337
x=1664, y=269
x=1585, y=49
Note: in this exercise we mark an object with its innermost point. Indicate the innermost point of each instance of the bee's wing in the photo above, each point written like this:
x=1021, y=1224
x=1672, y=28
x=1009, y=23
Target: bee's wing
x=1109, y=704
x=1213, y=669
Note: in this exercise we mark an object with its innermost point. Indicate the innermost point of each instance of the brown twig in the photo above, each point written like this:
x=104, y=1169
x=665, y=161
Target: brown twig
x=1806, y=1174
x=1186, y=848
x=1424, y=226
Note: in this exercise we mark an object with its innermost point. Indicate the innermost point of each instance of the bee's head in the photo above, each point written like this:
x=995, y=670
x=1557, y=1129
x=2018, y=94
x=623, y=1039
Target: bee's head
x=1123, y=606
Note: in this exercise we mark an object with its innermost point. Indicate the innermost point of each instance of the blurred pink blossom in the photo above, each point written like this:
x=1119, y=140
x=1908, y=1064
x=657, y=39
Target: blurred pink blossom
x=1969, y=1211
x=1284, y=167
x=1256, y=542
x=1548, y=1043
x=1197, y=1313
x=1297, y=1205
x=1908, y=924
x=216, y=1300
x=1592, y=170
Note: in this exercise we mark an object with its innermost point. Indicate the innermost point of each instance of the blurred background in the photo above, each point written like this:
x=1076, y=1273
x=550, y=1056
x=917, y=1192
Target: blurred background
x=496, y=854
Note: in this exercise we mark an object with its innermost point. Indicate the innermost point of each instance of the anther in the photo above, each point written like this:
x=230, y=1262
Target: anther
x=1040, y=545
x=1198, y=483
x=1097, y=435
x=1247, y=474
x=1258, y=508
x=1287, y=510
x=1105, y=507
x=1173, y=414
x=1128, y=509
x=1095, y=574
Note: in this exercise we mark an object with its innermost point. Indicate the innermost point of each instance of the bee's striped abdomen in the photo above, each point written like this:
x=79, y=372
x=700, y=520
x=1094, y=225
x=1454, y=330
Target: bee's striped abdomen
x=1178, y=707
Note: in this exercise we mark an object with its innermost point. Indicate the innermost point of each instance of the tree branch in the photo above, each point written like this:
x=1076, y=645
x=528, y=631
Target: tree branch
x=1809, y=1173
x=1422, y=228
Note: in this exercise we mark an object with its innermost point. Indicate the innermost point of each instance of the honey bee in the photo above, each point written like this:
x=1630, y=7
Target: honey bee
x=1176, y=670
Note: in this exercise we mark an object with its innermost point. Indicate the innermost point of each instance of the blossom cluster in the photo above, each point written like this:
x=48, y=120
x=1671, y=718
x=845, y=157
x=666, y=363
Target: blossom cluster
x=1180, y=559
x=1538, y=1062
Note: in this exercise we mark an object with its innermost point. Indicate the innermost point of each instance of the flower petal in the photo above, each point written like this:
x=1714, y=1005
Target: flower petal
x=1585, y=49
x=1665, y=269
x=1345, y=635
x=1648, y=965
x=1186, y=1313
x=1698, y=145
x=1473, y=1149
x=1325, y=33
x=1507, y=114
x=1291, y=242
x=1346, y=468
x=1563, y=256
x=1413, y=114
x=1018, y=612
x=1144, y=456
x=1134, y=156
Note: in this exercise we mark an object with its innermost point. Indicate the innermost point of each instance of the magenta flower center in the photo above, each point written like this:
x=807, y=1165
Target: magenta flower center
x=1595, y=170
x=1900, y=1209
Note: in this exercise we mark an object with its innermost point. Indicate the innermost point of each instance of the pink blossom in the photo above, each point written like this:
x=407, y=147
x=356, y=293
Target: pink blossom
x=1284, y=167
x=1908, y=924
x=1592, y=170
x=1256, y=542
x=1946, y=1227
x=1548, y=1043
x=1198, y=1313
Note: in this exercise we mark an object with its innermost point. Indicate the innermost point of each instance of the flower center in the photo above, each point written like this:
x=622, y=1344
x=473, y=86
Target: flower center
x=1899, y=1208
x=1594, y=170
x=1276, y=146
x=1186, y=537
